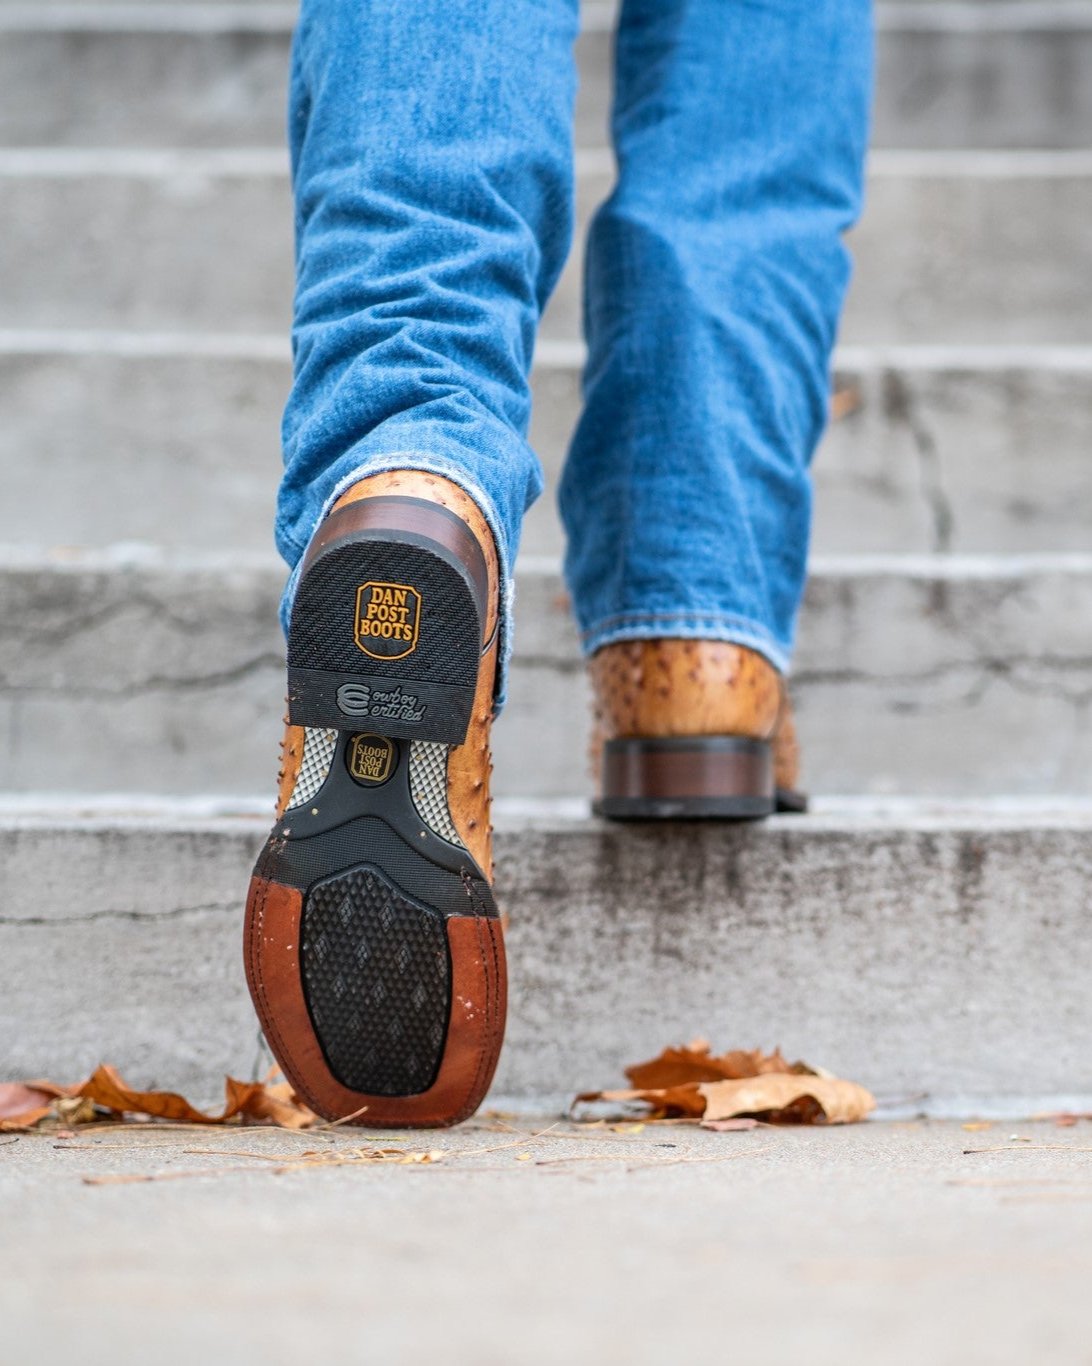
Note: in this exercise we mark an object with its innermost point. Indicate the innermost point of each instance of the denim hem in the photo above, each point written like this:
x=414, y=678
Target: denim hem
x=687, y=626
x=447, y=469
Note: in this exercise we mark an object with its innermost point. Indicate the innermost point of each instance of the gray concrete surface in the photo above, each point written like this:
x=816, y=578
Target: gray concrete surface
x=956, y=247
x=950, y=75
x=133, y=671
x=965, y=449
x=880, y=1242
x=938, y=953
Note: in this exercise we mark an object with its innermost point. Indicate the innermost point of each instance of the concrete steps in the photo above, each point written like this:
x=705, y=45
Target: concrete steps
x=932, y=947
x=957, y=449
x=134, y=671
x=936, y=954
x=200, y=74
x=956, y=247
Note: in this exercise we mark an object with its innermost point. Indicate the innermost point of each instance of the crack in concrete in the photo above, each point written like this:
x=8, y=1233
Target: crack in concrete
x=26, y=626
x=901, y=406
x=156, y=683
x=1013, y=670
x=154, y=917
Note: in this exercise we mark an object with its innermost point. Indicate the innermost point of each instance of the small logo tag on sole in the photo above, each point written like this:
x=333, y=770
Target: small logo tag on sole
x=387, y=619
x=371, y=758
x=357, y=699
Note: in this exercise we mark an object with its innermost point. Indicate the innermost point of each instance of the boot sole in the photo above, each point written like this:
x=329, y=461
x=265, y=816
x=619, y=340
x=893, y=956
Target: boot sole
x=373, y=946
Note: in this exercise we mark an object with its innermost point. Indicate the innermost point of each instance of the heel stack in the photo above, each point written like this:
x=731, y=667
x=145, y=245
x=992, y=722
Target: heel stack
x=700, y=777
x=387, y=622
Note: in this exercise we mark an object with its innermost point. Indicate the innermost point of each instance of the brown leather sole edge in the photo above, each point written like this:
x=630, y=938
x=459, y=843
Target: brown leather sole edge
x=701, y=777
x=475, y=1030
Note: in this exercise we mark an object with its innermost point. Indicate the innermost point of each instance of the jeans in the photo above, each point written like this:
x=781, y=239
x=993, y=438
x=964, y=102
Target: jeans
x=432, y=166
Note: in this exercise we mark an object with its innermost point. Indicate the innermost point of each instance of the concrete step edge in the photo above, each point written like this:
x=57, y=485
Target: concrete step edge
x=598, y=16
x=249, y=815
x=550, y=353
x=166, y=163
x=130, y=556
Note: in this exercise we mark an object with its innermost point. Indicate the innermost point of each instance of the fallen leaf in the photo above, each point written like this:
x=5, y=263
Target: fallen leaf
x=728, y=1126
x=26, y=1104
x=974, y=1125
x=736, y=1090
x=843, y=402
x=695, y=1063
x=785, y=1099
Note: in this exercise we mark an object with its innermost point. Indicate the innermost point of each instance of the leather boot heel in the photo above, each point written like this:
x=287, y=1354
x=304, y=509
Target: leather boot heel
x=387, y=623
x=726, y=777
x=691, y=730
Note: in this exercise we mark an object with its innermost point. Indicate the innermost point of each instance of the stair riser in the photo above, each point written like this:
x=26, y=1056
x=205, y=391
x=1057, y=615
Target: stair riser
x=933, y=962
x=934, y=456
x=943, y=255
x=1014, y=86
x=153, y=680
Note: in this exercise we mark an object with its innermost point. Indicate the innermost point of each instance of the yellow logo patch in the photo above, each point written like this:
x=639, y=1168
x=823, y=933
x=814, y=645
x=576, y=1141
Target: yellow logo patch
x=370, y=758
x=388, y=618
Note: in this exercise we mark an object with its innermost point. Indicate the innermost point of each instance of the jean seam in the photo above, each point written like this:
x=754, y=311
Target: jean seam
x=733, y=629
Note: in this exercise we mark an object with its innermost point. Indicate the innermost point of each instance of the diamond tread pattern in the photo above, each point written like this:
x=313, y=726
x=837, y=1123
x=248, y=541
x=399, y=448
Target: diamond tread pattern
x=318, y=755
x=323, y=615
x=377, y=977
x=428, y=788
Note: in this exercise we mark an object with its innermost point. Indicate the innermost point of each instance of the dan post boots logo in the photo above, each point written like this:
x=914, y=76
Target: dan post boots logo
x=371, y=758
x=388, y=619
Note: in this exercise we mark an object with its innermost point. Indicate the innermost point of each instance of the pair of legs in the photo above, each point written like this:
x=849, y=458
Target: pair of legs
x=433, y=172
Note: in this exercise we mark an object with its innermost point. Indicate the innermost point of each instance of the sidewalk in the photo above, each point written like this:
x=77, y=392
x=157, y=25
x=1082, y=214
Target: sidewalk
x=882, y=1243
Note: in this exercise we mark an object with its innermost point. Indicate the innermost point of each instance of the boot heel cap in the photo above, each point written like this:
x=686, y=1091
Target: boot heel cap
x=701, y=777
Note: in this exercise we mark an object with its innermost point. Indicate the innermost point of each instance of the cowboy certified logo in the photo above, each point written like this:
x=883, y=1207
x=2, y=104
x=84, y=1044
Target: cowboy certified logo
x=358, y=699
x=370, y=758
x=388, y=618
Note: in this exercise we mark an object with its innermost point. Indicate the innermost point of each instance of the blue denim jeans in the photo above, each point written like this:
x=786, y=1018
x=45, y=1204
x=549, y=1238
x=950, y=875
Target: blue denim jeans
x=433, y=175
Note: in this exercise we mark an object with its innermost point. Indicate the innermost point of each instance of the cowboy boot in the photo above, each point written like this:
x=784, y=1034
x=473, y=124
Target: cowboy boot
x=686, y=729
x=373, y=947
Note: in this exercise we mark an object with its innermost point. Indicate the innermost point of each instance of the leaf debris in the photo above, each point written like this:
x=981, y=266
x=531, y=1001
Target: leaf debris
x=735, y=1090
x=105, y=1096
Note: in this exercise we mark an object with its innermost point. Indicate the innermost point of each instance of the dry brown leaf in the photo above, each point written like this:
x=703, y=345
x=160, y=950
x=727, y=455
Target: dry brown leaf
x=730, y=1126
x=844, y=402
x=25, y=1104
x=733, y=1089
x=675, y=1102
x=785, y=1099
x=695, y=1063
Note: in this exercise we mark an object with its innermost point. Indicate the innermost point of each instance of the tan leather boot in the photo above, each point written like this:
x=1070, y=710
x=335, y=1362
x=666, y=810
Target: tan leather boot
x=373, y=947
x=687, y=729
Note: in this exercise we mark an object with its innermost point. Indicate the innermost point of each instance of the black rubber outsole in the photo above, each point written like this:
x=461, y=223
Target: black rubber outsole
x=379, y=882
x=385, y=635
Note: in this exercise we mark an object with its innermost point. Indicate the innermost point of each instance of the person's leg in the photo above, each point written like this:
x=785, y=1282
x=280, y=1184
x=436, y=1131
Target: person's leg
x=431, y=158
x=715, y=277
